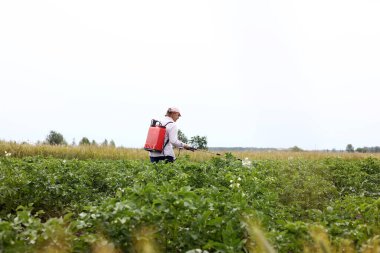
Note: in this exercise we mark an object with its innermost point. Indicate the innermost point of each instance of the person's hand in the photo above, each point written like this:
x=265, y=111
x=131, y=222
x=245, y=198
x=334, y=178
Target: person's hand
x=187, y=147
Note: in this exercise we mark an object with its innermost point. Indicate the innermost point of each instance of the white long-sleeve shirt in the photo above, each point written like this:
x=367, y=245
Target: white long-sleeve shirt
x=172, y=134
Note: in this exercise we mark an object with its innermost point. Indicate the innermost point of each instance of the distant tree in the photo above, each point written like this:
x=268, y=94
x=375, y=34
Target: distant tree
x=84, y=141
x=296, y=149
x=375, y=149
x=93, y=143
x=55, y=138
x=199, y=142
x=105, y=143
x=182, y=137
x=73, y=143
x=362, y=150
x=350, y=148
x=112, y=144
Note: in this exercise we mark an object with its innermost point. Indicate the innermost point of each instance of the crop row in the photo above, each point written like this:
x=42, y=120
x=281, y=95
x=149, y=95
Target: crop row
x=72, y=204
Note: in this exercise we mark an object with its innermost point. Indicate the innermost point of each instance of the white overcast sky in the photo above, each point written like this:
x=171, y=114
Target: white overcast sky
x=244, y=73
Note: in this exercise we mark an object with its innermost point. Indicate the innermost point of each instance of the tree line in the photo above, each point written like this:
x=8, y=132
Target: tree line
x=55, y=138
x=350, y=148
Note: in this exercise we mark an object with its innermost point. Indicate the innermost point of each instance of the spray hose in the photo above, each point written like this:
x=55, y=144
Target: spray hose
x=200, y=150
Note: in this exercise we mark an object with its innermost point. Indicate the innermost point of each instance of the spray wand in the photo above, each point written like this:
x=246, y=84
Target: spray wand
x=209, y=152
x=206, y=151
x=201, y=150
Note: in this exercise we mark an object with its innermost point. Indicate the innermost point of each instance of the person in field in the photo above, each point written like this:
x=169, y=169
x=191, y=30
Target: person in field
x=171, y=138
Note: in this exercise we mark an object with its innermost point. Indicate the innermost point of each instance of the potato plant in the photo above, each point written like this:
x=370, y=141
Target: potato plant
x=72, y=205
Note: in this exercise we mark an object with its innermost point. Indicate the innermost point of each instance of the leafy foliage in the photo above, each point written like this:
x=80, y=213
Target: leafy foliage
x=350, y=148
x=375, y=149
x=182, y=137
x=55, y=138
x=84, y=141
x=49, y=203
x=295, y=149
x=199, y=142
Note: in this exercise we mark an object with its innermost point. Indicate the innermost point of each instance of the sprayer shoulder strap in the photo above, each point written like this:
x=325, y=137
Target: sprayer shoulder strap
x=167, y=141
x=168, y=123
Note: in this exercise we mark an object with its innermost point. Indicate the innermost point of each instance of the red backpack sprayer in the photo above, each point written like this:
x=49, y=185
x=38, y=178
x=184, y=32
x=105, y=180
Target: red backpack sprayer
x=156, y=136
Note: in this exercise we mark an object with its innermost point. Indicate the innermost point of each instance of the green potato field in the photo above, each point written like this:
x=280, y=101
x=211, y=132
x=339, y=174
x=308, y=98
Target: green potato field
x=298, y=204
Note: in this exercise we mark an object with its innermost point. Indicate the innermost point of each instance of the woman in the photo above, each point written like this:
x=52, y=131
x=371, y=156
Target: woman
x=171, y=138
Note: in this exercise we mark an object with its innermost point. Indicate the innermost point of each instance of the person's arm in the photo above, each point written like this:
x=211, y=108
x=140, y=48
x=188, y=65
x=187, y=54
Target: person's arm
x=173, y=138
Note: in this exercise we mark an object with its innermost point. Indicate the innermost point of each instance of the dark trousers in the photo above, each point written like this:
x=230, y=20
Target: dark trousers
x=167, y=159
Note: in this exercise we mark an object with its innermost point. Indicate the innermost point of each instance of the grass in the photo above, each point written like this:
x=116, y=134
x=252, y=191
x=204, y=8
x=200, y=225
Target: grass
x=71, y=152
x=100, y=152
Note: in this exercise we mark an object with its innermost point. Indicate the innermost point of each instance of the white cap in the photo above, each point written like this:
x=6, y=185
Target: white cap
x=174, y=109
